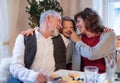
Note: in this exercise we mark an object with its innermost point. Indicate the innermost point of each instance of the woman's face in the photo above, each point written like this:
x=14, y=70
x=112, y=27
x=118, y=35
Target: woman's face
x=81, y=25
x=67, y=27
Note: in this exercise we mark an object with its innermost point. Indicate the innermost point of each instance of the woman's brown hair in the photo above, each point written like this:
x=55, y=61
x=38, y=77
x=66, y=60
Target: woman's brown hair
x=91, y=19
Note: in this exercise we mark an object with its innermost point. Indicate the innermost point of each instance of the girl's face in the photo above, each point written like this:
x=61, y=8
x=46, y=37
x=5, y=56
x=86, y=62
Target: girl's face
x=67, y=27
x=81, y=25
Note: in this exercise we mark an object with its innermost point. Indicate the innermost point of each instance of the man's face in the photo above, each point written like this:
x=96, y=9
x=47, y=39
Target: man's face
x=54, y=25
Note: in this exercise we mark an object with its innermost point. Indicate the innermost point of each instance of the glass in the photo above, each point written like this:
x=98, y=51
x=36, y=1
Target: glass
x=90, y=74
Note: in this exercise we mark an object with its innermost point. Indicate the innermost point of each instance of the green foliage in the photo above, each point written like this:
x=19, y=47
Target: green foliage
x=36, y=8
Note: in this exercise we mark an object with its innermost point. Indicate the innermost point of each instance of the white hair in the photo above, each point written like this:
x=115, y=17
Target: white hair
x=49, y=12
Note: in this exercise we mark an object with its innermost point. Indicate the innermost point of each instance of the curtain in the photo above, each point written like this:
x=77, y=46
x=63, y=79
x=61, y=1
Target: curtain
x=4, y=30
x=14, y=12
x=106, y=10
x=101, y=6
x=72, y=7
x=8, y=19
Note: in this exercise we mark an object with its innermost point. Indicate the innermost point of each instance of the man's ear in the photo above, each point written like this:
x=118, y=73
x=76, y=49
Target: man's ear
x=48, y=18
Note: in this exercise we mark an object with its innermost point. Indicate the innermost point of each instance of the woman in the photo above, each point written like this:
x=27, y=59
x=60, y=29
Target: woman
x=93, y=47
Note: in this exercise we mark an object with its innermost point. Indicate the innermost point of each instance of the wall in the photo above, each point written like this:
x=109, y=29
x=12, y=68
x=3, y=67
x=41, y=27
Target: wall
x=71, y=7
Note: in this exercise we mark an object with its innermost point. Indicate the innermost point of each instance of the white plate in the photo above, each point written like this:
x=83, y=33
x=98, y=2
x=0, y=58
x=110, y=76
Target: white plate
x=100, y=79
x=63, y=72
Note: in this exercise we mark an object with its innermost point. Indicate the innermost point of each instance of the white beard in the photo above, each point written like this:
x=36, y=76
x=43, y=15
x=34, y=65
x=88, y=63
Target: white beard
x=55, y=32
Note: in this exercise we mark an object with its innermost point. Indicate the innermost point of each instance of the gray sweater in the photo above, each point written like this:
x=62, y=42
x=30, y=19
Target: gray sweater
x=106, y=48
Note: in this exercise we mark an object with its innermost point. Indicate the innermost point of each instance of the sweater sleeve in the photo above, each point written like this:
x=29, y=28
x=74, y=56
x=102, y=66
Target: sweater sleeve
x=17, y=66
x=69, y=52
x=105, y=47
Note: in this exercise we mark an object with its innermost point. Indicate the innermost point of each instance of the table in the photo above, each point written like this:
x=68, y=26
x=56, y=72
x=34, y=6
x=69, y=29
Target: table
x=63, y=72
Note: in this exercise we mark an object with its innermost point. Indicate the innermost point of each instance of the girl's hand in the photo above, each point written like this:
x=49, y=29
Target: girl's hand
x=28, y=32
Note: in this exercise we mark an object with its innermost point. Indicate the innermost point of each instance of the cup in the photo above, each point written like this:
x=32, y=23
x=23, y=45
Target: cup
x=90, y=74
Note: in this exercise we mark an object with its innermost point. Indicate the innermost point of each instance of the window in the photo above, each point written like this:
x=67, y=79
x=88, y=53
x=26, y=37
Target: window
x=114, y=16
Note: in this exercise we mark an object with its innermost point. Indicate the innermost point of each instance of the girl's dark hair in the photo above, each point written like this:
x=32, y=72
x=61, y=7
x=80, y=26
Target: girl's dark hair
x=67, y=18
x=91, y=19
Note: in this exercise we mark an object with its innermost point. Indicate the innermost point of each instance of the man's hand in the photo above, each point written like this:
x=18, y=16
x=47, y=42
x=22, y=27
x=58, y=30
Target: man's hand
x=28, y=32
x=41, y=78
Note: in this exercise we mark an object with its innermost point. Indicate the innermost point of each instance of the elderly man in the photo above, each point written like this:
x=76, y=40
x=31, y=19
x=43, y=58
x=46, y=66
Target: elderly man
x=32, y=62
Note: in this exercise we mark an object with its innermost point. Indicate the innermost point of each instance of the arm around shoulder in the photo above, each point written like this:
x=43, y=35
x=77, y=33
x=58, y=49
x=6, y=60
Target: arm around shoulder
x=105, y=47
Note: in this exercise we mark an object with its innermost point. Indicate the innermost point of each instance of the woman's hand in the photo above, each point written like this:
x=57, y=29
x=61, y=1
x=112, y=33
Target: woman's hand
x=106, y=29
x=28, y=32
x=74, y=36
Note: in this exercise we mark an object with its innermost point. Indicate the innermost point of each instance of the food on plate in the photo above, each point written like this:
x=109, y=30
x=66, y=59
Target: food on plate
x=74, y=75
x=53, y=75
x=107, y=81
x=70, y=78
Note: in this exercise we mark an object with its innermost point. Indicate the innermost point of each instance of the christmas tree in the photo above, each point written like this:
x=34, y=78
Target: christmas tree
x=36, y=7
